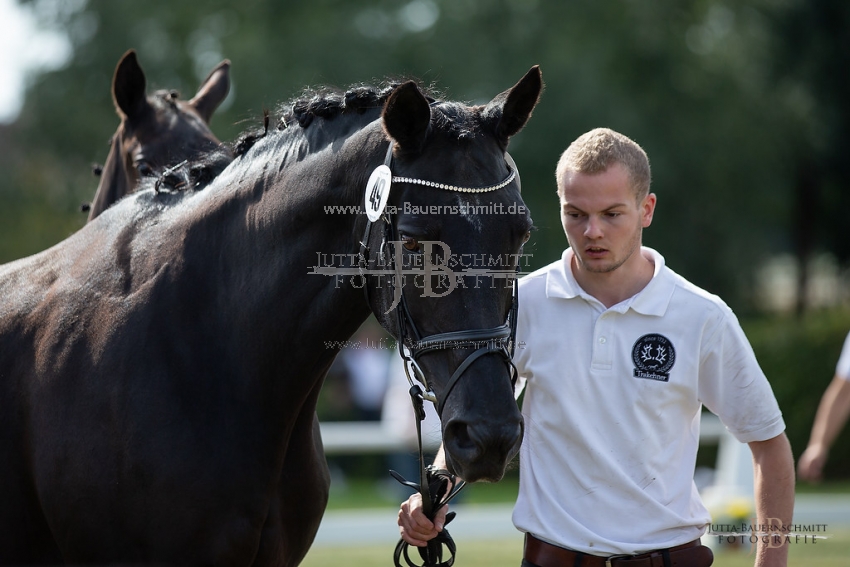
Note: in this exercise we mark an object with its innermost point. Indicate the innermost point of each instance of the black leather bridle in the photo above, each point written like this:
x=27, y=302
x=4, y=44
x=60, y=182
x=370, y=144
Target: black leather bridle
x=499, y=340
x=434, y=484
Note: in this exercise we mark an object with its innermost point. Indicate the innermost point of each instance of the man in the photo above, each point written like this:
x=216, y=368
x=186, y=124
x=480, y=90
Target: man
x=830, y=418
x=620, y=354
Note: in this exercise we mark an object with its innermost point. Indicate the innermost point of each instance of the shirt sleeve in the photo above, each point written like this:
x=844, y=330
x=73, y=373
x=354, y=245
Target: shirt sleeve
x=842, y=369
x=733, y=386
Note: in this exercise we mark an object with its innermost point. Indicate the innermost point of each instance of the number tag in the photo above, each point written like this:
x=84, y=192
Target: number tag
x=378, y=191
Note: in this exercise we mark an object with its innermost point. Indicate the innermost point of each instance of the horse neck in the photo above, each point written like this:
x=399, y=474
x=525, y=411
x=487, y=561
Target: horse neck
x=283, y=218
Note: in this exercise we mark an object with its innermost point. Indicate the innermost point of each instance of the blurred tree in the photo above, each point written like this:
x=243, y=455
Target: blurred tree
x=706, y=86
x=810, y=50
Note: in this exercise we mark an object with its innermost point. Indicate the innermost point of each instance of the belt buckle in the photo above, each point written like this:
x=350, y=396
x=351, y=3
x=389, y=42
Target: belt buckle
x=609, y=561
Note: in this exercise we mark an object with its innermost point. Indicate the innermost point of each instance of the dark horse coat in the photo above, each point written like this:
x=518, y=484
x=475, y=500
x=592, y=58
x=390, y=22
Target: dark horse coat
x=159, y=369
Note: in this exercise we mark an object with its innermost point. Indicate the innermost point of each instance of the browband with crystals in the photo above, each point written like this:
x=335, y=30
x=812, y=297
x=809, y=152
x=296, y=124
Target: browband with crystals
x=445, y=187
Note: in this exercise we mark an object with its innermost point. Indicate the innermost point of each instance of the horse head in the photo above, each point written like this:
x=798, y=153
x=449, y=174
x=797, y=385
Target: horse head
x=454, y=246
x=156, y=131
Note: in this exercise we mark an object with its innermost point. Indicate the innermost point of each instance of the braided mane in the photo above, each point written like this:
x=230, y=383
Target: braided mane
x=326, y=103
x=322, y=102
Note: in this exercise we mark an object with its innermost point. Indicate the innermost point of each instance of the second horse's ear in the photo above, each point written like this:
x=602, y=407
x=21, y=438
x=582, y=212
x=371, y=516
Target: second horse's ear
x=128, y=87
x=212, y=91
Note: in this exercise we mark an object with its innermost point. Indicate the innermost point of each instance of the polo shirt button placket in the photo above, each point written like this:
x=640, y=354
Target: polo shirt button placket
x=602, y=359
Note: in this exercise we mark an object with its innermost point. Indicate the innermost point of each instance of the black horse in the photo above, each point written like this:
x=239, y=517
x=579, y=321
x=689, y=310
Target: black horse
x=157, y=131
x=159, y=369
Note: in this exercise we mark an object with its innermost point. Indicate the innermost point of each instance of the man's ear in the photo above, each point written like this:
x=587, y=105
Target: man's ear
x=647, y=209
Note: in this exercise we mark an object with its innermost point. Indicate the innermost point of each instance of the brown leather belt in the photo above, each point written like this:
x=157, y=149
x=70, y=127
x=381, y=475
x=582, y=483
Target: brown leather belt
x=691, y=554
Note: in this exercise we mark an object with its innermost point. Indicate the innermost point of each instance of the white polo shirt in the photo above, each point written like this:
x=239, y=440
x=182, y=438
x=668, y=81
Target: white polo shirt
x=842, y=369
x=612, y=406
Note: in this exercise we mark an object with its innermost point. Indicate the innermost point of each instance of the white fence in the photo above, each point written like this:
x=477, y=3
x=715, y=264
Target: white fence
x=363, y=437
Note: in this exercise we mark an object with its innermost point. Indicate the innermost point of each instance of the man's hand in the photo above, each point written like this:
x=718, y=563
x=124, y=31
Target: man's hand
x=415, y=528
x=810, y=465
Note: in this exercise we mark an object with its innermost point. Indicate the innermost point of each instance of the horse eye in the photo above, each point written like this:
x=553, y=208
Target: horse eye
x=410, y=243
x=144, y=169
x=526, y=236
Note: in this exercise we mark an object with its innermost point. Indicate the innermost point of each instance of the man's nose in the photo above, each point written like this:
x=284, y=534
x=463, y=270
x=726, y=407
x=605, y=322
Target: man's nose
x=593, y=228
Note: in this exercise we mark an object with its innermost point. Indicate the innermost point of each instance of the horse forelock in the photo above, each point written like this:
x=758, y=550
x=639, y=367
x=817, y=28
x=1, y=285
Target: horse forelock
x=165, y=97
x=457, y=119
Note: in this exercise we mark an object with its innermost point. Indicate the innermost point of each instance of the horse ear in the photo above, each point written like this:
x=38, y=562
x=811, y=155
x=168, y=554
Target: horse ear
x=128, y=87
x=407, y=116
x=512, y=108
x=212, y=91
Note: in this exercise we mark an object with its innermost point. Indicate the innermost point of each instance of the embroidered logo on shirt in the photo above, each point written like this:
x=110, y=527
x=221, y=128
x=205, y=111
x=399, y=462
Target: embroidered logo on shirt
x=653, y=356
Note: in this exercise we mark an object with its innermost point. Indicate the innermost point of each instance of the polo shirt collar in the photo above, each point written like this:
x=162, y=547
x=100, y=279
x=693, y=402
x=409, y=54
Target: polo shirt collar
x=651, y=300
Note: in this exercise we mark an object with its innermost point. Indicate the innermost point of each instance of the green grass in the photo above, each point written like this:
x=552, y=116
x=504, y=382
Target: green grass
x=827, y=487
x=507, y=552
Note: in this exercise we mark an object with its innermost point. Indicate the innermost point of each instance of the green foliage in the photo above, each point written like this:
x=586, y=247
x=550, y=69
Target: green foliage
x=799, y=358
x=733, y=101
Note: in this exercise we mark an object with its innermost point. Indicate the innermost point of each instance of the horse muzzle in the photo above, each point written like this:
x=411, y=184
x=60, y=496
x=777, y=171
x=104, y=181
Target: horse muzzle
x=479, y=450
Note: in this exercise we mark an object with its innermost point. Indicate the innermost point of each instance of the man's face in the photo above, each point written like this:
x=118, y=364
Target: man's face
x=602, y=219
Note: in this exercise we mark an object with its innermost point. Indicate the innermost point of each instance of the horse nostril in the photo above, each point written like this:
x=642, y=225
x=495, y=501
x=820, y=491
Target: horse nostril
x=458, y=432
x=481, y=452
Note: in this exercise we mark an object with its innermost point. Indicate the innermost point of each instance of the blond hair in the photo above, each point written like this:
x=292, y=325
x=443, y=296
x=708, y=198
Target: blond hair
x=597, y=150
